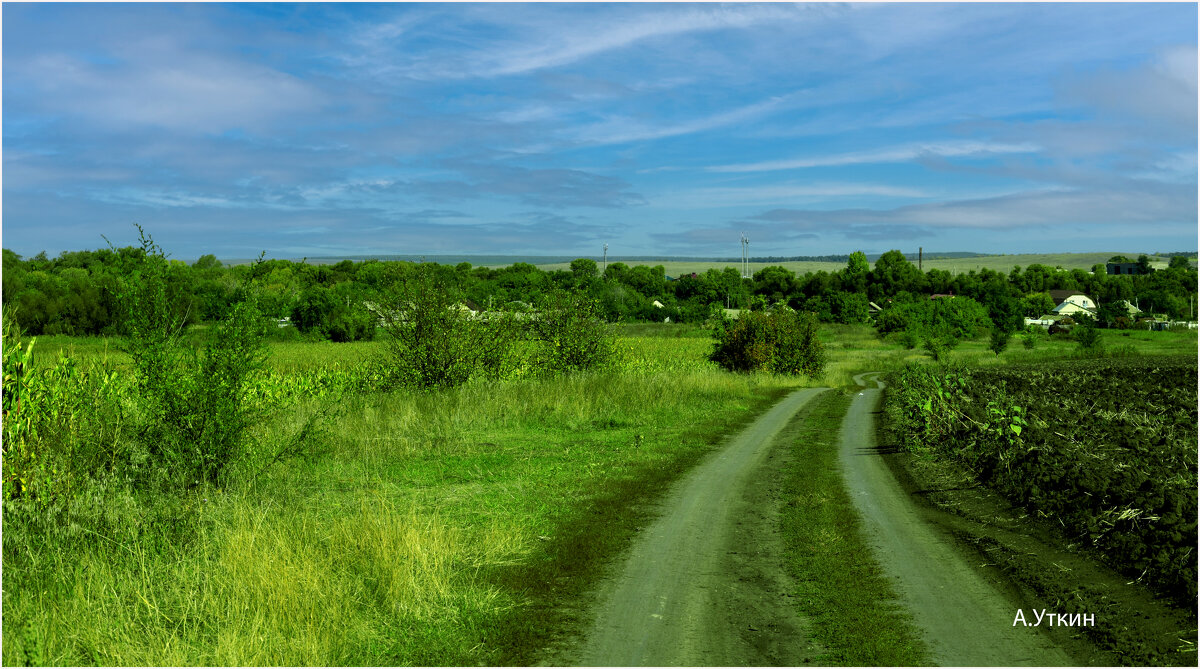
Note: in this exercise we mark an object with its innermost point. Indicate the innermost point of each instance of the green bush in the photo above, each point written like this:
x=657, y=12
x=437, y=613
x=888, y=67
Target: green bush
x=434, y=343
x=333, y=314
x=571, y=336
x=1087, y=335
x=193, y=416
x=999, y=341
x=939, y=346
x=783, y=342
x=958, y=317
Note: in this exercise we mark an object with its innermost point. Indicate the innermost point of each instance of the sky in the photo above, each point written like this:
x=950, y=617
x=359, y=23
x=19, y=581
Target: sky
x=553, y=129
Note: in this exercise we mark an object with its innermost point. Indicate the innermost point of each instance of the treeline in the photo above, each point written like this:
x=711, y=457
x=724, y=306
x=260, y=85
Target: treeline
x=77, y=292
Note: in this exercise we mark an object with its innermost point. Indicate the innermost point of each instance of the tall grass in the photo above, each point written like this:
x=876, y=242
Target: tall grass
x=435, y=528
x=395, y=547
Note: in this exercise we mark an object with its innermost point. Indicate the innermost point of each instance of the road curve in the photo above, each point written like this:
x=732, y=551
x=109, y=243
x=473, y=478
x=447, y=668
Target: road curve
x=677, y=595
x=965, y=618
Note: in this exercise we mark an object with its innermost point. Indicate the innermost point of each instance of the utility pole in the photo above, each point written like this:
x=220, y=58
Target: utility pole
x=605, y=260
x=745, y=257
x=920, y=257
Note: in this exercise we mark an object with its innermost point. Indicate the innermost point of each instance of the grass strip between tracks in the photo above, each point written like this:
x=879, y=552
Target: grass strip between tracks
x=839, y=587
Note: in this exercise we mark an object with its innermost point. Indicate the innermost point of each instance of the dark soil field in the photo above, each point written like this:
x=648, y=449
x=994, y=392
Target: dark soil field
x=1077, y=479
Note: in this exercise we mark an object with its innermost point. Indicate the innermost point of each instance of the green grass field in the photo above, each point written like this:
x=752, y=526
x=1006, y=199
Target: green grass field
x=446, y=528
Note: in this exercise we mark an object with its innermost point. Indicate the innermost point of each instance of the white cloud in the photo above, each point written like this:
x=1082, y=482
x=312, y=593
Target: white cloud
x=733, y=196
x=177, y=91
x=622, y=130
x=897, y=154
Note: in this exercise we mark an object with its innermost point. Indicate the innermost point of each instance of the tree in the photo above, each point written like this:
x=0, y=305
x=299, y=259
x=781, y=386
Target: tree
x=849, y=307
x=1036, y=305
x=774, y=283
x=433, y=344
x=584, y=269
x=1143, y=264
x=570, y=334
x=858, y=263
x=894, y=273
x=999, y=341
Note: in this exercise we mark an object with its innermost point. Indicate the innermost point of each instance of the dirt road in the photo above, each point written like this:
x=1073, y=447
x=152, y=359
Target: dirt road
x=966, y=619
x=704, y=584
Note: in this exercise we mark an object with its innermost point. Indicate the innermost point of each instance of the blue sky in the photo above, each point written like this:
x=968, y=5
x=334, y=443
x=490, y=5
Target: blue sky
x=659, y=129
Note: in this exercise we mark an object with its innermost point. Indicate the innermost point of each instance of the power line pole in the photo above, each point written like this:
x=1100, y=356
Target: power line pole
x=745, y=257
x=605, y=260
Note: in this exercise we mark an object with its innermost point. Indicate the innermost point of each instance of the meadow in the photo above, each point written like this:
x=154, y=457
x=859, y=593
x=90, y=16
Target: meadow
x=452, y=527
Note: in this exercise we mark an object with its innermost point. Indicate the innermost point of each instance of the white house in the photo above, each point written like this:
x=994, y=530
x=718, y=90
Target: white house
x=1069, y=303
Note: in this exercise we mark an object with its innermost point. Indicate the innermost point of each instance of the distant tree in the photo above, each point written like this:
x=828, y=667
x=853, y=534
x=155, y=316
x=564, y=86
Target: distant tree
x=999, y=341
x=774, y=283
x=585, y=268
x=1179, y=262
x=894, y=273
x=858, y=263
x=1036, y=305
x=849, y=307
x=617, y=271
x=1143, y=264
x=1087, y=335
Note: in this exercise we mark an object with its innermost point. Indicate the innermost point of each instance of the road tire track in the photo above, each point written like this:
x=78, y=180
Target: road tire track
x=965, y=617
x=704, y=584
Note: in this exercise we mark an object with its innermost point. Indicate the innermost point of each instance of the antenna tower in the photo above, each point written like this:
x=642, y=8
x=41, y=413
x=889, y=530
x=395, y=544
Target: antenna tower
x=745, y=257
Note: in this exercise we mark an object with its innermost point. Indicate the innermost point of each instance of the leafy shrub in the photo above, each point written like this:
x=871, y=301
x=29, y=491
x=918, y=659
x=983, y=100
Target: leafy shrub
x=958, y=317
x=1087, y=335
x=193, y=417
x=999, y=341
x=571, y=336
x=324, y=313
x=939, y=346
x=434, y=343
x=783, y=342
x=909, y=339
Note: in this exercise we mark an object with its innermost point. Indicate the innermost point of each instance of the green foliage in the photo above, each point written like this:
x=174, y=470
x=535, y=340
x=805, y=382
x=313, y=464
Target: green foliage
x=849, y=308
x=944, y=318
x=193, y=417
x=939, y=346
x=571, y=336
x=999, y=341
x=1029, y=339
x=585, y=268
x=1108, y=452
x=435, y=342
x=337, y=314
x=858, y=264
x=782, y=342
x=1087, y=335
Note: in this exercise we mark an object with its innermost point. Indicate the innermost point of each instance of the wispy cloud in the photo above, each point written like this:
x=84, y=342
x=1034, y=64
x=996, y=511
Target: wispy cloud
x=777, y=193
x=897, y=154
x=182, y=92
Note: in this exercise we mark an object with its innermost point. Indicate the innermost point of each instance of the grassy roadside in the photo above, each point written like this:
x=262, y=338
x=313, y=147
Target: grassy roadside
x=839, y=587
x=452, y=528
x=438, y=529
